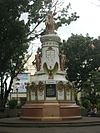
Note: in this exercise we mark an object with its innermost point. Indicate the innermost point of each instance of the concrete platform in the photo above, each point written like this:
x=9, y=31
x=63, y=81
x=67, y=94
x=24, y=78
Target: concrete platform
x=50, y=110
x=17, y=122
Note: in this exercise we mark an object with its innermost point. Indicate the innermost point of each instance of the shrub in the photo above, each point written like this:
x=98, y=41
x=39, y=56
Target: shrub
x=85, y=103
x=12, y=104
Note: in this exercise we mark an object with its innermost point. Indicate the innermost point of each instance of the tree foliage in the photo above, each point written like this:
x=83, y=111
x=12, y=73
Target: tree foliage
x=91, y=90
x=83, y=57
x=13, y=44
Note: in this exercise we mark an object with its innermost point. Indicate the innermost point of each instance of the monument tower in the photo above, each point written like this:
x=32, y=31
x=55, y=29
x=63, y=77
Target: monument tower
x=50, y=96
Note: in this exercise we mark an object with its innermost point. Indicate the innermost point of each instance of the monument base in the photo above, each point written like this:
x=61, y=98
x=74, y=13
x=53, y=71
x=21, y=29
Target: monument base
x=50, y=110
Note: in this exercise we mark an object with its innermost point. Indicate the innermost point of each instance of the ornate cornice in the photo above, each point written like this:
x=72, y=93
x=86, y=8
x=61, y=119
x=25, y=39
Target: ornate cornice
x=50, y=37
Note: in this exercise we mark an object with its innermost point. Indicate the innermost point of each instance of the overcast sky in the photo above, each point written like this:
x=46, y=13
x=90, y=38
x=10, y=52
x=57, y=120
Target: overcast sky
x=89, y=21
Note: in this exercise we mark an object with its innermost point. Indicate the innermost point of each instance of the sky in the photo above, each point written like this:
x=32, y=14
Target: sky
x=89, y=21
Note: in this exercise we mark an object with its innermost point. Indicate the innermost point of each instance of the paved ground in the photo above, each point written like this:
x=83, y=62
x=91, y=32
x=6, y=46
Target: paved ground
x=84, y=125
x=17, y=122
x=91, y=129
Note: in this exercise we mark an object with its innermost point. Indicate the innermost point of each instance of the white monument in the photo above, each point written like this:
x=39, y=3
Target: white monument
x=50, y=96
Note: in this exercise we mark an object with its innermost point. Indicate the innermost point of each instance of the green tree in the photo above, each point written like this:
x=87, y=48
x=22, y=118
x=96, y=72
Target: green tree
x=16, y=34
x=83, y=55
x=91, y=90
x=13, y=44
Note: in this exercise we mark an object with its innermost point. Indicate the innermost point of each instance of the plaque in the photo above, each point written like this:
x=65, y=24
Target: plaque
x=51, y=90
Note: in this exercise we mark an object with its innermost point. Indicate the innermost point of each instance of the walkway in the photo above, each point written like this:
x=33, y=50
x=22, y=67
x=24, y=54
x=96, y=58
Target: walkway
x=17, y=122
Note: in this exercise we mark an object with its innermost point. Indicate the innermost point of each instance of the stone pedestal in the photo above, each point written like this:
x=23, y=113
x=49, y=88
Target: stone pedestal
x=51, y=110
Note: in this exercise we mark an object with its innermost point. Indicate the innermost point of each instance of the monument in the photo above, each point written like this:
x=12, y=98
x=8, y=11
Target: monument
x=50, y=96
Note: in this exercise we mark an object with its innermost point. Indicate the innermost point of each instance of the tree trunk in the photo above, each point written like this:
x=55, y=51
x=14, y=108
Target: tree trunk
x=4, y=94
